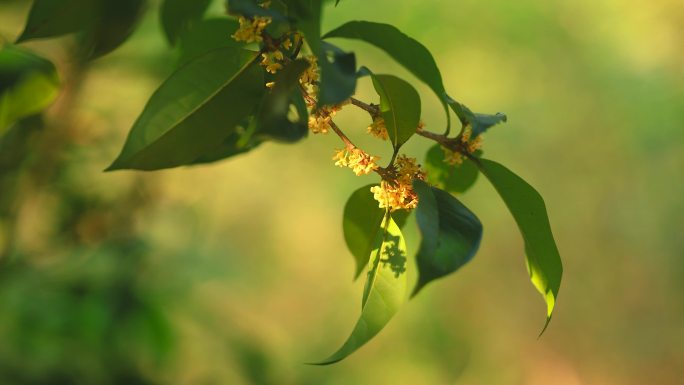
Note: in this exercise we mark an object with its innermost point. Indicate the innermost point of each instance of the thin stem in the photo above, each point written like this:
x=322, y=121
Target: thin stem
x=370, y=108
x=342, y=136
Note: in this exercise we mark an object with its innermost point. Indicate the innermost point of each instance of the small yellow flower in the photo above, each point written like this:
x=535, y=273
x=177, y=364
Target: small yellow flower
x=310, y=77
x=319, y=120
x=378, y=129
x=398, y=193
x=270, y=84
x=359, y=161
x=270, y=61
x=287, y=44
x=250, y=29
x=451, y=157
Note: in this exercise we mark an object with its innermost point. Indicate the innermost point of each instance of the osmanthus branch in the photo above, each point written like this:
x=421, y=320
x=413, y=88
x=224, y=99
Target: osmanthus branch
x=342, y=135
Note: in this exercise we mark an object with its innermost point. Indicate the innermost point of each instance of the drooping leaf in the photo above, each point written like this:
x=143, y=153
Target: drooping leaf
x=197, y=108
x=52, y=18
x=362, y=222
x=204, y=36
x=529, y=211
x=400, y=107
x=274, y=120
x=113, y=23
x=478, y=122
x=177, y=16
x=450, y=233
x=28, y=84
x=456, y=178
x=384, y=293
x=405, y=50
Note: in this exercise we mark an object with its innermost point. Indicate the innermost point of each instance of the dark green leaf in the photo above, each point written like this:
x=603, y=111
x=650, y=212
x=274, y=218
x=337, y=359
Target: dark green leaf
x=362, y=223
x=400, y=107
x=178, y=16
x=52, y=18
x=450, y=232
x=251, y=8
x=405, y=50
x=274, y=120
x=456, y=179
x=529, y=211
x=239, y=142
x=478, y=122
x=112, y=25
x=28, y=84
x=197, y=107
x=384, y=293
x=205, y=36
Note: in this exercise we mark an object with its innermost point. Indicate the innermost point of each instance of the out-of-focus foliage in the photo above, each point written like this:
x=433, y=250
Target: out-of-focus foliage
x=598, y=82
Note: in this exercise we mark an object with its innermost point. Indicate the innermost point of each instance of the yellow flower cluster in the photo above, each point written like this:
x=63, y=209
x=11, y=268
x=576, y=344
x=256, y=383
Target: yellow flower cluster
x=455, y=158
x=378, y=129
x=251, y=29
x=312, y=74
x=319, y=120
x=270, y=61
x=358, y=160
x=398, y=194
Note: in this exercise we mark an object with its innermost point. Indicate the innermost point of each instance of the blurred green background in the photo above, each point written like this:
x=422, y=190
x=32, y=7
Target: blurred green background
x=237, y=273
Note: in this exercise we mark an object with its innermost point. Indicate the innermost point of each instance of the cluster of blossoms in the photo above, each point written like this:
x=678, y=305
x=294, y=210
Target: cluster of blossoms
x=320, y=119
x=251, y=29
x=398, y=193
x=454, y=158
x=359, y=161
x=377, y=128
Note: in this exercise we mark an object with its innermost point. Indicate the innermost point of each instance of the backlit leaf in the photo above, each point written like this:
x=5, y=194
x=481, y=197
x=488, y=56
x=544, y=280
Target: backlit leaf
x=28, y=84
x=384, y=293
x=529, y=211
x=456, y=178
x=362, y=222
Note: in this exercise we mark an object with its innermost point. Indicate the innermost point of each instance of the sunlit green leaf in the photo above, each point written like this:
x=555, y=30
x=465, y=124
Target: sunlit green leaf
x=478, y=122
x=28, y=84
x=384, y=293
x=177, y=16
x=450, y=233
x=405, y=50
x=239, y=142
x=274, y=119
x=529, y=211
x=197, y=108
x=400, y=107
x=456, y=178
x=205, y=36
x=362, y=223
x=52, y=18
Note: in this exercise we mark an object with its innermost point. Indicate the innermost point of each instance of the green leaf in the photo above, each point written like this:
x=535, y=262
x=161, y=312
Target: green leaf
x=204, y=36
x=456, y=179
x=252, y=8
x=405, y=50
x=400, y=107
x=478, y=122
x=113, y=23
x=178, y=16
x=384, y=293
x=239, y=142
x=197, y=107
x=274, y=120
x=362, y=223
x=450, y=232
x=529, y=211
x=52, y=18
x=28, y=84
